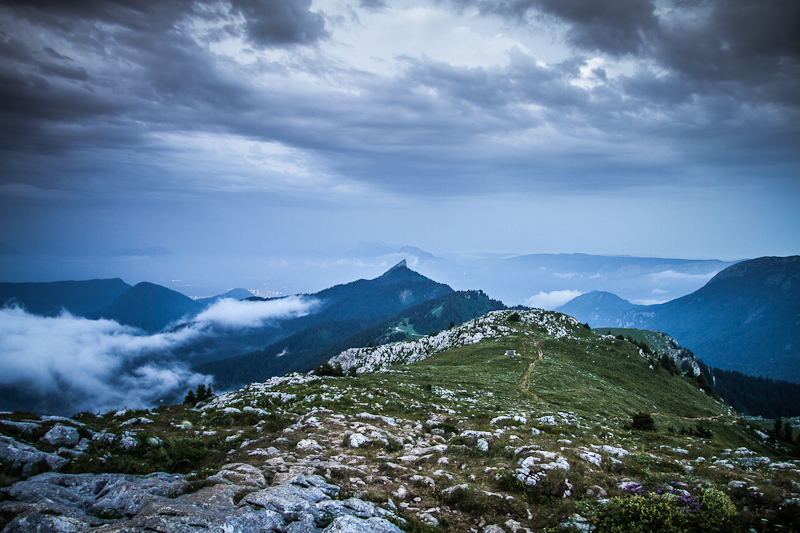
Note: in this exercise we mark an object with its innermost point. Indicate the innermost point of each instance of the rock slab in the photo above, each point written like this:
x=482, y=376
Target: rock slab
x=122, y=503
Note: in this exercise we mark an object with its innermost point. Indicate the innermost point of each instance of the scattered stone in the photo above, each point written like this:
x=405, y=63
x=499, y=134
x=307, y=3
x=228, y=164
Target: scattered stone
x=422, y=479
x=350, y=524
x=309, y=444
x=117, y=494
x=591, y=457
x=24, y=427
x=515, y=526
x=127, y=442
x=140, y=420
x=239, y=474
x=62, y=435
x=578, y=522
x=357, y=440
x=428, y=519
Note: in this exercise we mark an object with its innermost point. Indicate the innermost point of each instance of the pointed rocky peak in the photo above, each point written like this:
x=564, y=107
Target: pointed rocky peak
x=401, y=272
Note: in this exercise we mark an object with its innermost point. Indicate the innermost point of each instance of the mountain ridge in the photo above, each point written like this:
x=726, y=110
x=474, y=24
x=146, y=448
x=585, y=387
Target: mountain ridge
x=49, y=298
x=746, y=318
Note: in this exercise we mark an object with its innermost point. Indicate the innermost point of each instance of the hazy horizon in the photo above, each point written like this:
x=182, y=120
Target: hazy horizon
x=514, y=279
x=230, y=137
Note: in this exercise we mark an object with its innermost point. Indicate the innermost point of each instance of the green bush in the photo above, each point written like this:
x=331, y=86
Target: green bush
x=667, y=513
x=331, y=370
x=716, y=511
x=643, y=422
x=640, y=514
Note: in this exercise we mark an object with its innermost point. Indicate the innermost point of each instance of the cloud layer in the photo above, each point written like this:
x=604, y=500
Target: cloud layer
x=67, y=364
x=282, y=127
x=111, y=75
x=237, y=314
x=551, y=300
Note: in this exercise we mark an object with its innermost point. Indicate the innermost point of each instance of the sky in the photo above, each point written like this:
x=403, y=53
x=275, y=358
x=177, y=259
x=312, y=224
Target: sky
x=218, y=142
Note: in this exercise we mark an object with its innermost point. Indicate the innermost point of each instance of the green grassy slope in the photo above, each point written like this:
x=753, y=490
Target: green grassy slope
x=581, y=371
x=470, y=434
x=749, y=395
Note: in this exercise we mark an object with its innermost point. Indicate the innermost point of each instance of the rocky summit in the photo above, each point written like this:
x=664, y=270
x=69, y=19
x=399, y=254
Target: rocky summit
x=517, y=421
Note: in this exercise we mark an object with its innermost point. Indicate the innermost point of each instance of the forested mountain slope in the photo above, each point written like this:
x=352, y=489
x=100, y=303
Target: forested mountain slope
x=747, y=318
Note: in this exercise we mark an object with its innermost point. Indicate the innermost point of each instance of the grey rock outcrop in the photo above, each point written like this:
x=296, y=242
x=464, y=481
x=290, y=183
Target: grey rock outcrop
x=62, y=435
x=98, y=494
x=238, y=500
x=25, y=457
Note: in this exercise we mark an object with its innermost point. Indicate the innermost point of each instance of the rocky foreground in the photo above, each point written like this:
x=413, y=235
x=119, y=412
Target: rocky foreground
x=236, y=499
x=525, y=426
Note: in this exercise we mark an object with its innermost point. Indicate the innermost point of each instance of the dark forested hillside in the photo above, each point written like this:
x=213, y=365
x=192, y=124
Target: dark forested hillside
x=149, y=307
x=755, y=396
x=423, y=319
x=306, y=349
x=747, y=318
x=80, y=298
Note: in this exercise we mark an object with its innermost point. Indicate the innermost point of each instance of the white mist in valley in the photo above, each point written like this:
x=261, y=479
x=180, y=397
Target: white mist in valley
x=67, y=364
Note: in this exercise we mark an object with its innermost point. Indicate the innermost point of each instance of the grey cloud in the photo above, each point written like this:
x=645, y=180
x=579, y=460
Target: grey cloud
x=749, y=50
x=373, y=4
x=55, y=55
x=278, y=22
x=617, y=27
x=62, y=71
x=145, y=72
x=137, y=15
x=431, y=124
x=266, y=22
x=718, y=45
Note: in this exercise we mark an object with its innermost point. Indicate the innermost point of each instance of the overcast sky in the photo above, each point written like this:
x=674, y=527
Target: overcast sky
x=275, y=129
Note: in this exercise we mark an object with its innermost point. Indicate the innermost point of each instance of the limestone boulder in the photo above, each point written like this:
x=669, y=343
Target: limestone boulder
x=24, y=457
x=61, y=435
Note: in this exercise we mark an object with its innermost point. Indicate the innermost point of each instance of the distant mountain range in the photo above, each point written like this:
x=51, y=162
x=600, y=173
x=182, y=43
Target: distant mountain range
x=149, y=306
x=746, y=318
x=524, y=279
x=81, y=298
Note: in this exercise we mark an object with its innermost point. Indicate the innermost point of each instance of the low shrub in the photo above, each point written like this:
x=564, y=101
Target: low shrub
x=643, y=422
x=657, y=510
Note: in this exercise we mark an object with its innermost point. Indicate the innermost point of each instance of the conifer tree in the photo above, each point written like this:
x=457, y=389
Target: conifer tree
x=777, y=429
x=190, y=399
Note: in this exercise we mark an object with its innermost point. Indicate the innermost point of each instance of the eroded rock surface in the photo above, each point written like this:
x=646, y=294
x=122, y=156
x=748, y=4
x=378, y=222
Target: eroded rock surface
x=238, y=500
x=25, y=457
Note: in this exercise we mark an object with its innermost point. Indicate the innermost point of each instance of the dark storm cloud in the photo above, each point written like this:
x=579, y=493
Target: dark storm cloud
x=373, y=4
x=140, y=70
x=717, y=45
x=119, y=73
x=278, y=22
x=614, y=26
